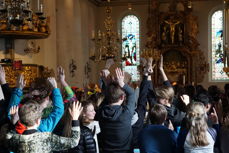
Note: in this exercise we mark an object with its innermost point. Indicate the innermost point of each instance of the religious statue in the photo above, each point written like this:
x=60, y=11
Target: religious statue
x=180, y=35
x=164, y=35
x=172, y=24
x=192, y=26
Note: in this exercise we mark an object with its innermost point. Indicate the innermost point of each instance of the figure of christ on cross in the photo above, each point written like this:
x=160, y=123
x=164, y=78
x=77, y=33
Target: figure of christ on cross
x=172, y=24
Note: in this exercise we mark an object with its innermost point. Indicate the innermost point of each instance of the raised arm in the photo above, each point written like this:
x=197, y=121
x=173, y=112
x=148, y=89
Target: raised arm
x=14, y=114
x=144, y=89
x=67, y=88
x=17, y=93
x=63, y=143
x=164, y=76
x=130, y=95
x=49, y=123
x=142, y=100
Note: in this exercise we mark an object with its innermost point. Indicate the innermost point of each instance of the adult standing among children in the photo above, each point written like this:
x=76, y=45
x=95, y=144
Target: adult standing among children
x=115, y=118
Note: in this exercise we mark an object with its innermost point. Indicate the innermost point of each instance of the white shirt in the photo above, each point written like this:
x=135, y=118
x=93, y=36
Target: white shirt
x=188, y=148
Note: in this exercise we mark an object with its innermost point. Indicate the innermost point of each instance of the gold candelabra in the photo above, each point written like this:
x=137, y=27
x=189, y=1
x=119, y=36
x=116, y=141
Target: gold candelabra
x=107, y=44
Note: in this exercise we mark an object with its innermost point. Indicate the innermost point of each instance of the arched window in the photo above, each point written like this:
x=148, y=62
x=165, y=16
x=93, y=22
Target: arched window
x=217, y=40
x=130, y=46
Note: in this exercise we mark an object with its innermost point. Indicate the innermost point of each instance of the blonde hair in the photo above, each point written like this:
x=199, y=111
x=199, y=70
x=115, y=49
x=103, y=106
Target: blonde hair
x=165, y=92
x=197, y=123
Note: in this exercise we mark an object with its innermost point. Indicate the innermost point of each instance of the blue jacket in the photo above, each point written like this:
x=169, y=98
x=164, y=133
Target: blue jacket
x=49, y=123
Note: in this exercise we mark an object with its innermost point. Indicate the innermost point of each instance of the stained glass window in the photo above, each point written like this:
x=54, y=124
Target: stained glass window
x=217, y=47
x=130, y=46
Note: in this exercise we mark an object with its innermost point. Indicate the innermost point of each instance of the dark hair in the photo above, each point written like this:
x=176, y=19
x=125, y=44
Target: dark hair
x=190, y=91
x=226, y=87
x=29, y=113
x=43, y=87
x=114, y=93
x=96, y=98
x=203, y=98
x=158, y=114
x=200, y=90
x=214, y=92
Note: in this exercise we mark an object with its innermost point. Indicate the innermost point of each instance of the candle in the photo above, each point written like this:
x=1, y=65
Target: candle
x=184, y=79
x=93, y=34
x=193, y=83
x=99, y=34
x=100, y=54
x=38, y=5
x=41, y=8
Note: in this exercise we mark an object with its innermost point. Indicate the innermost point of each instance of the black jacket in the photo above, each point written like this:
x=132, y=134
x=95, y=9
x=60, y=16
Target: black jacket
x=86, y=143
x=145, y=89
x=115, y=124
x=4, y=103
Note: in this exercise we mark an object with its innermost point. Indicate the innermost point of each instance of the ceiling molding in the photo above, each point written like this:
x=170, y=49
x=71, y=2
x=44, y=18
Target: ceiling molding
x=133, y=2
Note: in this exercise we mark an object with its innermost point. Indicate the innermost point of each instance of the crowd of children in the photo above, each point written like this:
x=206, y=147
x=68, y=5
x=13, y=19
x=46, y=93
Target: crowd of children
x=119, y=119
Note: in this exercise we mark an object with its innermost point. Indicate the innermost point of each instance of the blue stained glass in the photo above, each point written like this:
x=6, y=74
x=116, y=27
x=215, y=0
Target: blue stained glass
x=130, y=46
x=217, y=47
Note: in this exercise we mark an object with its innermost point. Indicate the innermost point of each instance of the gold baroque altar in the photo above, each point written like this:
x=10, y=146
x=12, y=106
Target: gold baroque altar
x=30, y=72
x=174, y=35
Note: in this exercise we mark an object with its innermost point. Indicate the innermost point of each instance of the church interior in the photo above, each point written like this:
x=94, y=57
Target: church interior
x=114, y=76
x=77, y=34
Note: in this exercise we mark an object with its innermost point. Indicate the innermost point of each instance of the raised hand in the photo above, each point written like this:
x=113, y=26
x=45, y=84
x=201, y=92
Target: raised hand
x=109, y=63
x=104, y=76
x=164, y=77
x=2, y=75
x=161, y=64
x=170, y=126
x=120, y=77
x=75, y=110
x=60, y=72
x=61, y=76
x=14, y=114
x=52, y=81
x=20, y=82
x=214, y=117
x=149, y=67
x=185, y=99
